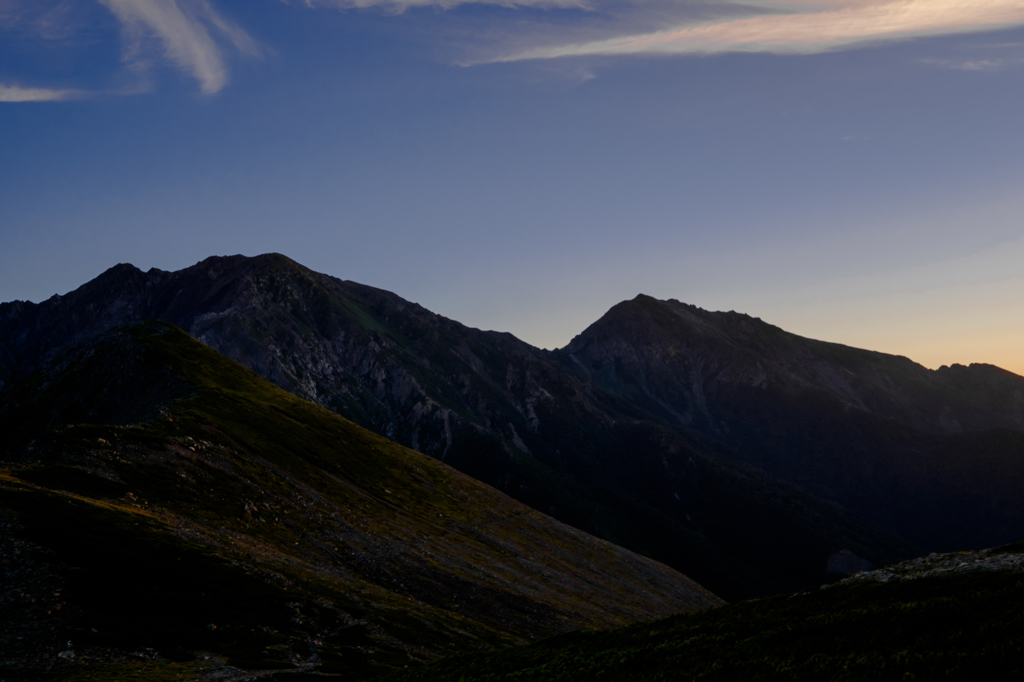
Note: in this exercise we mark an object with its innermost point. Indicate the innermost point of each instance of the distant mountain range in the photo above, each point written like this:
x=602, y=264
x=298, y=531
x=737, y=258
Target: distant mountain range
x=739, y=454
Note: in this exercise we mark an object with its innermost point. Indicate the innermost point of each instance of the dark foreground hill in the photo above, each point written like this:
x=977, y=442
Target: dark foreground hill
x=548, y=428
x=954, y=617
x=166, y=513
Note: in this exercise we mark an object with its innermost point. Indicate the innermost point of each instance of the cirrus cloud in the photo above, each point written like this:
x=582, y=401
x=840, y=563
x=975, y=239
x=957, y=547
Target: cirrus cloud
x=187, y=31
x=402, y=5
x=804, y=26
x=16, y=93
x=191, y=34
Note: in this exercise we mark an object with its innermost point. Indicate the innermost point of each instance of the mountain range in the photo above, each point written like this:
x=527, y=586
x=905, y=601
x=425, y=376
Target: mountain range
x=748, y=458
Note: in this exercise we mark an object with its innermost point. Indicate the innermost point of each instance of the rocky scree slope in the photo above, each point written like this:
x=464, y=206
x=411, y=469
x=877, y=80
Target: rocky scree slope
x=535, y=424
x=163, y=506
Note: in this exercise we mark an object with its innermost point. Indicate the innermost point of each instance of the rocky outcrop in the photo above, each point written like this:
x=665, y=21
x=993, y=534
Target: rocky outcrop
x=1009, y=559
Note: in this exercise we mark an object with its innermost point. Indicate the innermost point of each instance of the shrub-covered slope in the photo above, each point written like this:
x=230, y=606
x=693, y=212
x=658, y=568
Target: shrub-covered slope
x=165, y=508
x=958, y=617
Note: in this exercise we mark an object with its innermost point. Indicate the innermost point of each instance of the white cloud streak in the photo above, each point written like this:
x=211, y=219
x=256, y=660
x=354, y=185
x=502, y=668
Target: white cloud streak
x=981, y=65
x=187, y=30
x=805, y=26
x=991, y=64
x=16, y=93
x=402, y=5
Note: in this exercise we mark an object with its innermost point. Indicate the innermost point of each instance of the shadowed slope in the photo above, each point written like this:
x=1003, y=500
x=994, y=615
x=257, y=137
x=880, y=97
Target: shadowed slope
x=181, y=504
x=964, y=621
x=937, y=456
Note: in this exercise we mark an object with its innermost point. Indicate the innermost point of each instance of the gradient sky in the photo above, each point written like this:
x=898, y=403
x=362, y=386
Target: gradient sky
x=850, y=170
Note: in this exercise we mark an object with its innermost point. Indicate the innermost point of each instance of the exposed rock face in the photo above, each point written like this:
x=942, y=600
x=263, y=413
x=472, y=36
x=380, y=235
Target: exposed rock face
x=407, y=373
x=642, y=431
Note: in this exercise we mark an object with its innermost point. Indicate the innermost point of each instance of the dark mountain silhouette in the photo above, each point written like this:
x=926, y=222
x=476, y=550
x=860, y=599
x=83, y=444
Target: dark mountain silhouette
x=159, y=500
x=687, y=364
x=936, y=456
x=691, y=437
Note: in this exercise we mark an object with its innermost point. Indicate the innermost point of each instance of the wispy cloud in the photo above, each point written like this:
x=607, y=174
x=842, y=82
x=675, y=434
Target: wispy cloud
x=804, y=26
x=477, y=35
x=402, y=5
x=16, y=93
x=52, y=20
x=981, y=65
x=974, y=64
x=186, y=30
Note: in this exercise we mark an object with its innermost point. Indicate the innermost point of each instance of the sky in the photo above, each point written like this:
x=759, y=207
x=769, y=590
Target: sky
x=849, y=170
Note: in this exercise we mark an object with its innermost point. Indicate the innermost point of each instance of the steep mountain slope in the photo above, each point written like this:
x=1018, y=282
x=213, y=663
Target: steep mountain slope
x=529, y=422
x=937, y=456
x=162, y=504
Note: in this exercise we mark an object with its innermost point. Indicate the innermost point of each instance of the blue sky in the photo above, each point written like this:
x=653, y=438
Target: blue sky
x=850, y=170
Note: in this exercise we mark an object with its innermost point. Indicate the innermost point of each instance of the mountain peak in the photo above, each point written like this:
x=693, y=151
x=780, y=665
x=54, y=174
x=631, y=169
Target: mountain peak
x=112, y=276
x=647, y=320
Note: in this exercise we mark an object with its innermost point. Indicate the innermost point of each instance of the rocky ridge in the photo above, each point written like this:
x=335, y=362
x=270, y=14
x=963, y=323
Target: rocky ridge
x=947, y=564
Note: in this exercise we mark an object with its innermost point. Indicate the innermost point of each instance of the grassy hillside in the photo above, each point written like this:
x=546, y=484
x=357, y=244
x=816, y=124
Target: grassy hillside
x=955, y=626
x=165, y=509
